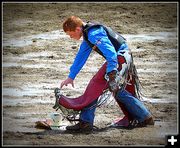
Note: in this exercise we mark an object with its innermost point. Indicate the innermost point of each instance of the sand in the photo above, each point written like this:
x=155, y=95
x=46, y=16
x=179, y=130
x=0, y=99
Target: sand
x=37, y=55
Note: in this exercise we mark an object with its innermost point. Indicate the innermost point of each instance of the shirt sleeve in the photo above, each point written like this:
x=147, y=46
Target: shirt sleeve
x=98, y=37
x=80, y=59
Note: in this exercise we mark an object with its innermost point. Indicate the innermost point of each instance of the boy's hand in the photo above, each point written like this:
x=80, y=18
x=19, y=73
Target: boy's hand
x=113, y=85
x=66, y=82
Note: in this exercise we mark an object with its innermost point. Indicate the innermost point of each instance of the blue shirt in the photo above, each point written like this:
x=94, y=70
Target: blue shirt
x=98, y=37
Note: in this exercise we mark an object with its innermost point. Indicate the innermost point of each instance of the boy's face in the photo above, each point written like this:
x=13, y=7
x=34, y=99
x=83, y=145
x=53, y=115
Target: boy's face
x=75, y=34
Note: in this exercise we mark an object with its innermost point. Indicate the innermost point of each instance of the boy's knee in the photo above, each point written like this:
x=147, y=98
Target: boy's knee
x=121, y=95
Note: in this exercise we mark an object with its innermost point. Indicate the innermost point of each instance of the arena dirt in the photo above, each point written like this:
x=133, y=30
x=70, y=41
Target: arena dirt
x=37, y=55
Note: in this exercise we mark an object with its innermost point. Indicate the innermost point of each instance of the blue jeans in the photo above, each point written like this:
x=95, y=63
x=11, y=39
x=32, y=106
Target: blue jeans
x=134, y=106
x=87, y=114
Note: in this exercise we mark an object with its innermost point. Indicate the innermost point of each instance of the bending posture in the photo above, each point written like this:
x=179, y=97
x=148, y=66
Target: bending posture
x=118, y=67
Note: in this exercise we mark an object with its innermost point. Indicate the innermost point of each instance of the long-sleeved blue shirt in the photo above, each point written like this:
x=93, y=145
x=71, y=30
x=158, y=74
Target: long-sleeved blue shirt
x=98, y=37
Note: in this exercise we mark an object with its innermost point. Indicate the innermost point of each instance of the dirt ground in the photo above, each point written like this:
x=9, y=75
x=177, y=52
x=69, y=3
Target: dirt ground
x=37, y=55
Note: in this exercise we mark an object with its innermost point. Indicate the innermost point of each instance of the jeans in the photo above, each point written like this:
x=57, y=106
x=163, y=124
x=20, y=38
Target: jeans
x=87, y=114
x=134, y=106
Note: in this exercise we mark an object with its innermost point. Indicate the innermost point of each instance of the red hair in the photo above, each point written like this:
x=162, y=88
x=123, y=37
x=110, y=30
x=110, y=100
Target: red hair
x=71, y=23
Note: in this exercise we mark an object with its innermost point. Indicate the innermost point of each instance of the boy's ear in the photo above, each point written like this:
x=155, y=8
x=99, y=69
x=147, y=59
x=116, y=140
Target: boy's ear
x=78, y=29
